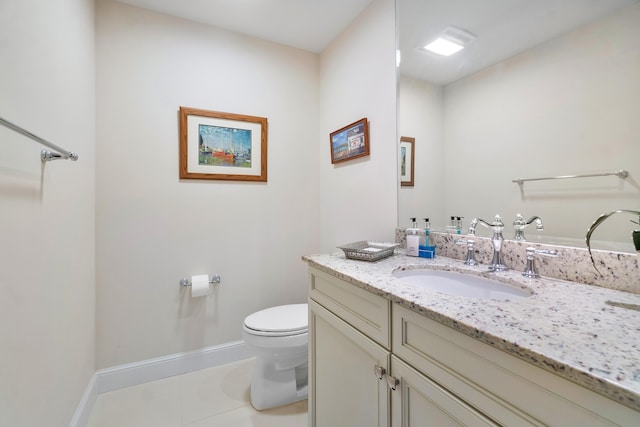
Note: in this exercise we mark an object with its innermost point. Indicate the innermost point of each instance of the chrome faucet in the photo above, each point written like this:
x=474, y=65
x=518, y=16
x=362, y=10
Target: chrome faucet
x=497, y=226
x=519, y=224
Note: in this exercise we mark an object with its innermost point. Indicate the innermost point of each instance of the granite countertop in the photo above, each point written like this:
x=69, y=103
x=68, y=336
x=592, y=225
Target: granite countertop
x=565, y=327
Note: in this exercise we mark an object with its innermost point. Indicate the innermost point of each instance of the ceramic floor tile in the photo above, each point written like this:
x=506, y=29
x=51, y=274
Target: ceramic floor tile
x=154, y=404
x=216, y=390
x=293, y=415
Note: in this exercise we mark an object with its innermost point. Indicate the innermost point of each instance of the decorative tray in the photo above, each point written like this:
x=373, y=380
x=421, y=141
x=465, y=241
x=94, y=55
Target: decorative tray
x=368, y=251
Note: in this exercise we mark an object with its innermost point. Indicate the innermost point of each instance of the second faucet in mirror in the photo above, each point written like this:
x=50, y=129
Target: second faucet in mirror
x=519, y=224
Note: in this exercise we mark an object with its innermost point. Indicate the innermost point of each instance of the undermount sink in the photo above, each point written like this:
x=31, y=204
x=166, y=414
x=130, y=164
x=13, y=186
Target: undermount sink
x=461, y=285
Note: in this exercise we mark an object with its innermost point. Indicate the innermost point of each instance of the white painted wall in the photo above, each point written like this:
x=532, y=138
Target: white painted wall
x=152, y=228
x=420, y=108
x=47, y=283
x=103, y=249
x=358, y=79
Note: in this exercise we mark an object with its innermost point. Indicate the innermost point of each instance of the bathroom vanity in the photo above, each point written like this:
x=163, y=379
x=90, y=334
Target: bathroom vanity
x=384, y=352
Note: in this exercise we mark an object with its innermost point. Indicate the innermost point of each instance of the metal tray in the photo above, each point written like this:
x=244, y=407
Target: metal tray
x=368, y=251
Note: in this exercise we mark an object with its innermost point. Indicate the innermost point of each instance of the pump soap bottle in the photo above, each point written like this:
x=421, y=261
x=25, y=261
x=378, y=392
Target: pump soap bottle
x=413, y=239
x=426, y=250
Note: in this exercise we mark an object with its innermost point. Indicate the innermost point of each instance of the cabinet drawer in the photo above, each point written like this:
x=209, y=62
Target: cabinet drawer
x=367, y=312
x=506, y=388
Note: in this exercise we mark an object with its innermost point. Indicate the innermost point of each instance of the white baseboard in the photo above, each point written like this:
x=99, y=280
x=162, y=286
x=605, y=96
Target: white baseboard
x=83, y=410
x=117, y=377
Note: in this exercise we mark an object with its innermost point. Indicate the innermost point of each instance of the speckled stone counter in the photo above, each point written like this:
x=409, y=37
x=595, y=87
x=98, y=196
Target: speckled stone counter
x=618, y=270
x=568, y=328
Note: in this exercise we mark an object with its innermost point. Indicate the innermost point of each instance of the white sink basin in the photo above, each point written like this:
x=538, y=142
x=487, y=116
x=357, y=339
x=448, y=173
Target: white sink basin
x=461, y=285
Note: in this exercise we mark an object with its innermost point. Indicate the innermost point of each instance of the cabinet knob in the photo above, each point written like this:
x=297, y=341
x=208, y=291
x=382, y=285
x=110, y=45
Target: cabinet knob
x=392, y=382
x=379, y=371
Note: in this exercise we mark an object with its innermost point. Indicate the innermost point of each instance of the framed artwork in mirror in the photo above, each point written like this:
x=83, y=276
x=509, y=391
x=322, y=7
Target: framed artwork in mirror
x=407, y=160
x=224, y=146
x=350, y=142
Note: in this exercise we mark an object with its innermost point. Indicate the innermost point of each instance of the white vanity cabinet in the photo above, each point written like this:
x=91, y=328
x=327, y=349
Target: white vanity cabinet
x=374, y=363
x=349, y=354
x=353, y=378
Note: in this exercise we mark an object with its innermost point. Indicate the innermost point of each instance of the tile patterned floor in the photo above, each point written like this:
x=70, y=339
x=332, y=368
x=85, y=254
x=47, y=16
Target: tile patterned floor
x=214, y=397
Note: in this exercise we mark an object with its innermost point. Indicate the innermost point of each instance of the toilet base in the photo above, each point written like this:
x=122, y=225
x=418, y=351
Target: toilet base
x=271, y=387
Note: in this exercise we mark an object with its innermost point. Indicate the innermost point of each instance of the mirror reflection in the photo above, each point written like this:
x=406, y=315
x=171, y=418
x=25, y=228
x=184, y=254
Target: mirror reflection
x=540, y=89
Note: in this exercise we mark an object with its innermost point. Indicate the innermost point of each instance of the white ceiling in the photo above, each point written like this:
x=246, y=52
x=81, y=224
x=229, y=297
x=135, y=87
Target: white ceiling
x=503, y=27
x=306, y=24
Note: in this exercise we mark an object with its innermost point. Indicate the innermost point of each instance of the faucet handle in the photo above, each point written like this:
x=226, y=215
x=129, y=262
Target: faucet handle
x=471, y=254
x=530, y=269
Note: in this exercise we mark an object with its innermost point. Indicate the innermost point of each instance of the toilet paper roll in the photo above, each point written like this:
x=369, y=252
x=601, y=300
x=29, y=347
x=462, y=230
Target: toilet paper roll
x=200, y=286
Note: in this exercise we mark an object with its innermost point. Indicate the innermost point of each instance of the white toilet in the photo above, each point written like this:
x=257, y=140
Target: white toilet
x=279, y=337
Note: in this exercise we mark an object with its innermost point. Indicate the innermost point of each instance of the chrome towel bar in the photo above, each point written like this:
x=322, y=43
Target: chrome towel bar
x=622, y=174
x=45, y=155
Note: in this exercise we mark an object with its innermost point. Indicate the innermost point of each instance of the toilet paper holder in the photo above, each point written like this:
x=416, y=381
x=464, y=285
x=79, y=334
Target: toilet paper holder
x=215, y=279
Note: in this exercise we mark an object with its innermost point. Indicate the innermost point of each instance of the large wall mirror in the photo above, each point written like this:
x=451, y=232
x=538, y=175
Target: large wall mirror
x=541, y=89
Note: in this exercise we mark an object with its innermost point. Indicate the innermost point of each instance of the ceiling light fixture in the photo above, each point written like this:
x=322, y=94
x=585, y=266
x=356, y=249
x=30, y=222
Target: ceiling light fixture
x=450, y=41
x=443, y=47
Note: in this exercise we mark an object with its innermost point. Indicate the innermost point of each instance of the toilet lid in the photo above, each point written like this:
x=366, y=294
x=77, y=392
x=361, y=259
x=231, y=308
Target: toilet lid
x=284, y=318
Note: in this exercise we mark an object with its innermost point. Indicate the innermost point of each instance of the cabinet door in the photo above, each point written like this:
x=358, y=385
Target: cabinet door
x=419, y=402
x=344, y=390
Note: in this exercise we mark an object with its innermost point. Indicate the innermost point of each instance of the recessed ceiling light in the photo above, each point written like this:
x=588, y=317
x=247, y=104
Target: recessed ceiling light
x=443, y=47
x=450, y=41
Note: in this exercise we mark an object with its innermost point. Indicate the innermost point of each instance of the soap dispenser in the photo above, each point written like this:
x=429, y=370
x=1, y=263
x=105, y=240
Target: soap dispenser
x=427, y=250
x=413, y=239
x=427, y=230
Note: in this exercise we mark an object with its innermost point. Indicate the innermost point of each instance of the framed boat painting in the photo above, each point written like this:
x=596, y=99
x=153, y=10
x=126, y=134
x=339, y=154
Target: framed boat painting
x=224, y=146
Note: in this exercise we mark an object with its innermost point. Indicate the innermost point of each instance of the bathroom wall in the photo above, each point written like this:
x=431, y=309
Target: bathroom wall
x=357, y=79
x=152, y=227
x=47, y=272
x=420, y=116
x=562, y=108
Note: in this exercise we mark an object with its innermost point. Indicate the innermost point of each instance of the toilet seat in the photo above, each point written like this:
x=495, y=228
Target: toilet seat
x=284, y=320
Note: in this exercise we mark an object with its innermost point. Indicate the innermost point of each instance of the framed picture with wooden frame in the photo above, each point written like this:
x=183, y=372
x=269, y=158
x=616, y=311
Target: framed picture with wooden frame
x=407, y=160
x=350, y=142
x=222, y=146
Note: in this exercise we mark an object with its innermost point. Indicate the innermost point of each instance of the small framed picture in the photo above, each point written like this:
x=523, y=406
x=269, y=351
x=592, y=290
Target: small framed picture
x=226, y=146
x=407, y=160
x=350, y=142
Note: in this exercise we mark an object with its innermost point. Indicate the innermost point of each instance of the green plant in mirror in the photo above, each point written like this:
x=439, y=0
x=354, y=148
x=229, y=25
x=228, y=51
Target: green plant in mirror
x=601, y=219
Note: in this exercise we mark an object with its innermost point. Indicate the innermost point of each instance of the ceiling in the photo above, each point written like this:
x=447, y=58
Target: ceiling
x=305, y=24
x=503, y=27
